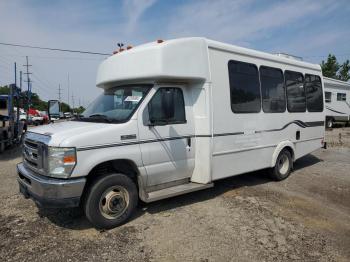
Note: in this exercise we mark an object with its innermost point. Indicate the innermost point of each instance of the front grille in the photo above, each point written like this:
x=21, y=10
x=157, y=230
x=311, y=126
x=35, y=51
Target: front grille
x=33, y=155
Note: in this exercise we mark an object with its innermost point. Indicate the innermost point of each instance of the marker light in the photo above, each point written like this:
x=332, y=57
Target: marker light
x=128, y=47
x=159, y=41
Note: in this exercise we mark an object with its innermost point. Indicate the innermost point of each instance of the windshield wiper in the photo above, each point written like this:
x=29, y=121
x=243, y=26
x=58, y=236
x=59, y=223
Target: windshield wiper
x=98, y=115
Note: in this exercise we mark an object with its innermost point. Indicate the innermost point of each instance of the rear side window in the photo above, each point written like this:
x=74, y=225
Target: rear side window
x=341, y=97
x=328, y=97
x=314, y=96
x=244, y=87
x=272, y=90
x=296, y=100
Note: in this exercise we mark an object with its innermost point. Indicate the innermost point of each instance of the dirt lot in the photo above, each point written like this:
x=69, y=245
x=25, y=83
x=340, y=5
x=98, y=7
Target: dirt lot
x=245, y=218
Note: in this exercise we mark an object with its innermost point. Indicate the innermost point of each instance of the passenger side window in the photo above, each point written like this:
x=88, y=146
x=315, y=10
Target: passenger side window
x=3, y=104
x=244, y=87
x=159, y=105
x=314, y=96
x=328, y=97
x=341, y=97
x=296, y=100
x=272, y=90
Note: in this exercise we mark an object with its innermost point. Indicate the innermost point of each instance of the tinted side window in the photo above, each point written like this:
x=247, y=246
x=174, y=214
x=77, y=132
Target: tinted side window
x=314, y=96
x=328, y=97
x=156, y=108
x=3, y=104
x=244, y=87
x=296, y=100
x=272, y=90
x=341, y=97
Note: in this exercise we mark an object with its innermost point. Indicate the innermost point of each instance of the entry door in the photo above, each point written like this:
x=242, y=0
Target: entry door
x=167, y=145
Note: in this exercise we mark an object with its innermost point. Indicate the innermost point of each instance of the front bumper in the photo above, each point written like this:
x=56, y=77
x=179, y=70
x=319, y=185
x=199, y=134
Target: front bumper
x=50, y=192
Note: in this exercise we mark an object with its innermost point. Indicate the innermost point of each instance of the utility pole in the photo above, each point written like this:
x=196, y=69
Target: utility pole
x=59, y=92
x=59, y=96
x=27, y=65
x=68, y=89
x=73, y=103
x=20, y=81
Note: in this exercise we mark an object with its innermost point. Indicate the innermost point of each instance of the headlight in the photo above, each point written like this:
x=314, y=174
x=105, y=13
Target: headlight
x=61, y=161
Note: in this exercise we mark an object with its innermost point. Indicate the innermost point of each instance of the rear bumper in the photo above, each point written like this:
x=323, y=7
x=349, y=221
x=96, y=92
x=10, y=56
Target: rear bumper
x=49, y=192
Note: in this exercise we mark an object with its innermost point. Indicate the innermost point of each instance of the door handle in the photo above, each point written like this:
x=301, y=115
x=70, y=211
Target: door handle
x=188, y=141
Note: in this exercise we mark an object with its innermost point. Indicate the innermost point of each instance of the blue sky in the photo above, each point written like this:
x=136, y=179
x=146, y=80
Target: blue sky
x=310, y=29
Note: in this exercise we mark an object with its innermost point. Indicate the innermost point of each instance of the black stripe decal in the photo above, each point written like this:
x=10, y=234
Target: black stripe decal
x=297, y=122
x=335, y=111
x=133, y=143
x=315, y=123
x=229, y=134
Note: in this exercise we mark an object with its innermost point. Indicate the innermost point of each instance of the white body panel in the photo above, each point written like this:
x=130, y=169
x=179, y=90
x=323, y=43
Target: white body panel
x=338, y=110
x=221, y=144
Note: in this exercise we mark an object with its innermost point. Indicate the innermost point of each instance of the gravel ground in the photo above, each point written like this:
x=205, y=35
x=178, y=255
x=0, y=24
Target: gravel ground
x=244, y=218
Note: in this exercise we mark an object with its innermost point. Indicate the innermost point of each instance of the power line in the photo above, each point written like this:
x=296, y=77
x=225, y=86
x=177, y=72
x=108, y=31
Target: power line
x=56, y=49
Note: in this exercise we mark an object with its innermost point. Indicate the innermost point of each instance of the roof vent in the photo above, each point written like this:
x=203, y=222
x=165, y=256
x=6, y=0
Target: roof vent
x=299, y=58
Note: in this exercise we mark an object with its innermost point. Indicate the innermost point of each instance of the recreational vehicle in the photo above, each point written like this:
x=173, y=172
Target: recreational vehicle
x=337, y=98
x=174, y=117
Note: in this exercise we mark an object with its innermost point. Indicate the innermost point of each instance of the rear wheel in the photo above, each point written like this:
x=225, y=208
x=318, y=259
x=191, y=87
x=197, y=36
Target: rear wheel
x=329, y=123
x=283, y=166
x=110, y=200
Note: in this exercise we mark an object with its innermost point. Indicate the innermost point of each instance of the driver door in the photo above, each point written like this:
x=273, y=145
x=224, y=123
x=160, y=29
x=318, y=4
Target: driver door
x=167, y=145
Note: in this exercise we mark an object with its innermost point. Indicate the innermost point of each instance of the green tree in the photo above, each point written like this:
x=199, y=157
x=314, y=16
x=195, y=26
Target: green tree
x=344, y=72
x=4, y=90
x=79, y=110
x=65, y=107
x=330, y=67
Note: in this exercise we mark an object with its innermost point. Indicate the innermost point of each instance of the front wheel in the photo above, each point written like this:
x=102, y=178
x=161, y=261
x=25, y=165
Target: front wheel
x=110, y=200
x=283, y=166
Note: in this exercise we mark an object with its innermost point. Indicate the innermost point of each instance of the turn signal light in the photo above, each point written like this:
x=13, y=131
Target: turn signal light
x=69, y=159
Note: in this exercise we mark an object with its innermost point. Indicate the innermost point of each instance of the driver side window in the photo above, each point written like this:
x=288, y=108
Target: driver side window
x=159, y=105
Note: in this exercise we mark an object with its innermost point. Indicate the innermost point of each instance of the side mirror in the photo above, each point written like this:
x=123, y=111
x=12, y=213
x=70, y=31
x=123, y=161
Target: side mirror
x=53, y=108
x=168, y=103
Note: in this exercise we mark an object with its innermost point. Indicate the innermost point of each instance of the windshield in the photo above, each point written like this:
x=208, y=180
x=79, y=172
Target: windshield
x=115, y=104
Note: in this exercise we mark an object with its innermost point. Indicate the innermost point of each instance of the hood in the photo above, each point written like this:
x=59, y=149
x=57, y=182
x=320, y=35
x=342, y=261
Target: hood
x=77, y=133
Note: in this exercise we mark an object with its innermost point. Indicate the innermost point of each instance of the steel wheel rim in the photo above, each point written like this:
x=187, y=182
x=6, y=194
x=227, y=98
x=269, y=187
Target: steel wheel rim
x=114, y=202
x=283, y=164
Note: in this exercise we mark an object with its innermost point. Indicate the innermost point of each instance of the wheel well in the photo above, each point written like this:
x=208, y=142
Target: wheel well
x=125, y=166
x=291, y=151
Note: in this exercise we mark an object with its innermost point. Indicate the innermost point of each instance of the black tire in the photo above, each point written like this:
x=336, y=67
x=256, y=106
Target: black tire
x=108, y=194
x=283, y=167
x=2, y=146
x=329, y=123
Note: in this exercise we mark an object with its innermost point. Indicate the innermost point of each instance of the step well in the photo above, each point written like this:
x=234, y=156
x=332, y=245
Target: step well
x=176, y=191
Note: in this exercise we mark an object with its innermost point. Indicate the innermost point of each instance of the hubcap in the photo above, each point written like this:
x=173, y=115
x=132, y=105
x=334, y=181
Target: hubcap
x=114, y=202
x=283, y=164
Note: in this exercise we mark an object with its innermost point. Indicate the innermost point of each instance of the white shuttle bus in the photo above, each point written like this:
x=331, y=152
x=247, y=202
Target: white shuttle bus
x=174, y=117
x=337, y=98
